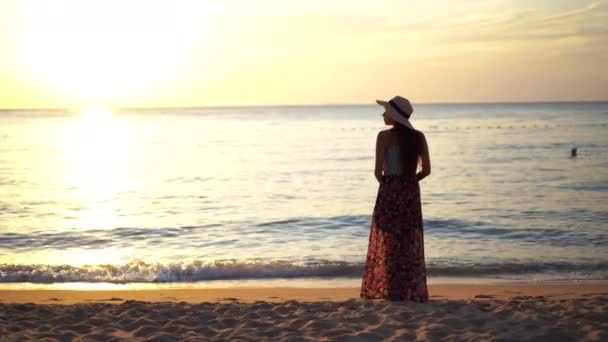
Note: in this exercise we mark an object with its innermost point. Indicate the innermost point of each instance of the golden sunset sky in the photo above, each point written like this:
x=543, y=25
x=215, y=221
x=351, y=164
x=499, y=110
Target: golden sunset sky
x=257, y=52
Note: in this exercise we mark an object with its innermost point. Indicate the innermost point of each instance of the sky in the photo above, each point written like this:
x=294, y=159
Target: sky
x=58, y=54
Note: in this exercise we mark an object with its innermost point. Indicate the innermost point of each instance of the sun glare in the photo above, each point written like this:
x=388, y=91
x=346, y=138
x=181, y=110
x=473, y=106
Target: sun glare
x=96, y=115
x=107, y=50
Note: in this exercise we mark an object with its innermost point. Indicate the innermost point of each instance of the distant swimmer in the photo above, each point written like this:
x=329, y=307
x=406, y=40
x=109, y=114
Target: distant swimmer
x=573, y=153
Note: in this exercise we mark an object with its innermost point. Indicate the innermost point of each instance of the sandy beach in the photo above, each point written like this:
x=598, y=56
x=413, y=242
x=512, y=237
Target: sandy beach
x=502, y=312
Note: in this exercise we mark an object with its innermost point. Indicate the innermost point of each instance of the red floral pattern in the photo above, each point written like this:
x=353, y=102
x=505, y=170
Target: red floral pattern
x=395, y=268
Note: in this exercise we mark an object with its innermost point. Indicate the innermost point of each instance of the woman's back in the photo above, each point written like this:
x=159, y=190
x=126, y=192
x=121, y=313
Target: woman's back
x=392, y=162
x=403, y=151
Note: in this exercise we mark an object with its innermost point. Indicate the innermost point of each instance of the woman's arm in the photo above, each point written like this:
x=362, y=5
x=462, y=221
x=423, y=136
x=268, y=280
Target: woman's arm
x=380, y=151
x=424, y=159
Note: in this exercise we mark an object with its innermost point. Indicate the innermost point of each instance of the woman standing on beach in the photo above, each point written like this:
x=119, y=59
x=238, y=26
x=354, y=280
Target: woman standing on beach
x=395, y=268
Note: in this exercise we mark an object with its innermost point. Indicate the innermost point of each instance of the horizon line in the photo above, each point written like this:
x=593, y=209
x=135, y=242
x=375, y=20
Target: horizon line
x=308, y=105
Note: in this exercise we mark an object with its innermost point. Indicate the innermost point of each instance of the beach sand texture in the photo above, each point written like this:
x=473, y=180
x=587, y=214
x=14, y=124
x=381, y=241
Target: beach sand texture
x=455, y=312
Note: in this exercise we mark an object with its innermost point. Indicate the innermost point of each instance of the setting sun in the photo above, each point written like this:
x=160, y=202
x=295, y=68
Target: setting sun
x=95, y=114
x=95, y=52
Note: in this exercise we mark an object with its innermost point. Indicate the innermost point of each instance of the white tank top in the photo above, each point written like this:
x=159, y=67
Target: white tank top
x=392, y=164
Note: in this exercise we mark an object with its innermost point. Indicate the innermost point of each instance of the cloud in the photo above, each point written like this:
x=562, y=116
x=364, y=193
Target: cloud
x=590, y=21
x=472, y=24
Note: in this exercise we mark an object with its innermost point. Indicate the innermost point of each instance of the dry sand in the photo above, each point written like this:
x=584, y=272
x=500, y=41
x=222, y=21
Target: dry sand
x=505, y=312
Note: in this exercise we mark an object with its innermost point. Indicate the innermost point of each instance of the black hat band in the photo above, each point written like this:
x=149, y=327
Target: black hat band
x=394, y=105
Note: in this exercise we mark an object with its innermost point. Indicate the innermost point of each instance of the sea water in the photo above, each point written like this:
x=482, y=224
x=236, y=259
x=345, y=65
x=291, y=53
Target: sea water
x=201, y=195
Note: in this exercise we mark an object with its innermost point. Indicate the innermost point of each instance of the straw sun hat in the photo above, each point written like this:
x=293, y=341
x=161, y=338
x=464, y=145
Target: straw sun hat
x=399, y=109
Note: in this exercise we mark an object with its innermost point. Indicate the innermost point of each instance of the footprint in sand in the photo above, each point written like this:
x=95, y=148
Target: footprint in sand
x=113, y=299
x=595, y=294
x=522, y=297
x=484, y=296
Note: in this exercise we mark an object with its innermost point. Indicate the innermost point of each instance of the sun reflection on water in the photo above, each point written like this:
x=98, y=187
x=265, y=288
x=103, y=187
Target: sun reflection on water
x=98, y=170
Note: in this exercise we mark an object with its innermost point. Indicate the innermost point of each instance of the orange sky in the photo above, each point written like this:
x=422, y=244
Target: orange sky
x=236, y=52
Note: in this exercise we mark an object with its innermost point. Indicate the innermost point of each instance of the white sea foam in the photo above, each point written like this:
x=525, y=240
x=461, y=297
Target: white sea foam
x=139, y=271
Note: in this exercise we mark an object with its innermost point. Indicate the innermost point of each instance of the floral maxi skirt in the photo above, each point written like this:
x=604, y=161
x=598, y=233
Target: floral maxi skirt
x=395, y=268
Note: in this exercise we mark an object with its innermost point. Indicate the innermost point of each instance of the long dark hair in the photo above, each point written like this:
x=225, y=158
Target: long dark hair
x=410, y=147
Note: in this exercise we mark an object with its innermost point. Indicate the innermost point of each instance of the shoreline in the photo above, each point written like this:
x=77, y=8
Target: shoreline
x=296, y=282
x=301, y=294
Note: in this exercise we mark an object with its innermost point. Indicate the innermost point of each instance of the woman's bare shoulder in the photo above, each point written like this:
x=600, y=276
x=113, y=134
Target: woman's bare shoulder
x=384, y=133
x=419, y=133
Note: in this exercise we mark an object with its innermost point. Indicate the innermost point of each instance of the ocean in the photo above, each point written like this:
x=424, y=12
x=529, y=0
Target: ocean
x=193, y=196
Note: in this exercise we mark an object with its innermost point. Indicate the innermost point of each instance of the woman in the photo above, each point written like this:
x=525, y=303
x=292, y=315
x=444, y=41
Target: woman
x=395, y=268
